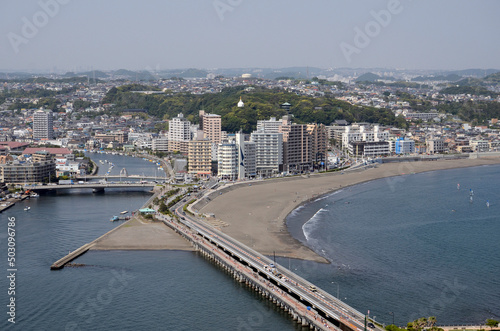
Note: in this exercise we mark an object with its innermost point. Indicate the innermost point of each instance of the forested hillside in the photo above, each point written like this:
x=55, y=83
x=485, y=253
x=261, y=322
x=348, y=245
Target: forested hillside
x=260, y=104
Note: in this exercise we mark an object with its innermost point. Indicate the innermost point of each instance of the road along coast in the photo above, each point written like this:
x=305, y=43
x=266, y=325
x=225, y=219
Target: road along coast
x=255, y=213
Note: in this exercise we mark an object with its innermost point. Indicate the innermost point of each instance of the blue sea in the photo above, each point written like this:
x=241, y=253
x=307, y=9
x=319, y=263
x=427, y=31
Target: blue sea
x=414, y=246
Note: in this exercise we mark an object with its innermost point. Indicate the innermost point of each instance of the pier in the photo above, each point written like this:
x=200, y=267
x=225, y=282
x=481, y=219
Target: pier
x=59, y=264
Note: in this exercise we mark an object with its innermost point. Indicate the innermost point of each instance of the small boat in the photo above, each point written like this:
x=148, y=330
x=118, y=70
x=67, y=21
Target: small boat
x=488, y=203
x=124, y=212
x=114, y=218
x=458, y=186
x=27, y=208
x=34, y=195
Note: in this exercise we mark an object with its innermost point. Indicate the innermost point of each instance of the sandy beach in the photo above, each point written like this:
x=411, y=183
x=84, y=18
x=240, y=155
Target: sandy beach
x=255, y=214
x=140, y=234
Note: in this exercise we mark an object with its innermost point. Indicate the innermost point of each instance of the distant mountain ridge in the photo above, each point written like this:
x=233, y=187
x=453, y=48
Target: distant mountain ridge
x=305, y=72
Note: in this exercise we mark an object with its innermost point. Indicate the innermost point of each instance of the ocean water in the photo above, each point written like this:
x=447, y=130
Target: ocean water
x=414, y=245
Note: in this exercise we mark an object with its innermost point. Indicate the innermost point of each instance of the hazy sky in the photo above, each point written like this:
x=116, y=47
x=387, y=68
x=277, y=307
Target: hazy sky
x=169, y=34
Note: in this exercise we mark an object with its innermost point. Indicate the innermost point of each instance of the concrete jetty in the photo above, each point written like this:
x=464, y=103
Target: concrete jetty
x=59, y=264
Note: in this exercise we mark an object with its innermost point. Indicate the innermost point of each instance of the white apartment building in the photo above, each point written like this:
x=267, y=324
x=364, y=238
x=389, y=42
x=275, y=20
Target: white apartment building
x=228, y=161
x=268, y=152
x=271, y=125
x=246, y=157
x=144, y=142
x=43, y=126
x=179, y=129
x=369, y=148
x=160, y=144
x=480, y=145
x=179, y=134
x=355, y=133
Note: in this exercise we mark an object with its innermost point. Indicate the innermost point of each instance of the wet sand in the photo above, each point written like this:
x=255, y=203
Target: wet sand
x=255, y=215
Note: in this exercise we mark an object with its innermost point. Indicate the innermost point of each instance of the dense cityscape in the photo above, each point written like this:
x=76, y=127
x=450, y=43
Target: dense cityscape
x=250, y=165
x=72, y=116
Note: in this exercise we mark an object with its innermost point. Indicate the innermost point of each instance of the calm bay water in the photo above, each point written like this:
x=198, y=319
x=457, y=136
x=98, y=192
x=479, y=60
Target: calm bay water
x=415, y=246
x=117, y=290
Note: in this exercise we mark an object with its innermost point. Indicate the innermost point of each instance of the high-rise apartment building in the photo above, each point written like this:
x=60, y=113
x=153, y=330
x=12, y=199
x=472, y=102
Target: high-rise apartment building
x=210, y=124
x=246, y=157
x=319, y=144
x=43, y=126
x=227, y=160
x=179, y=134
x=199, y=156
x=268, y=152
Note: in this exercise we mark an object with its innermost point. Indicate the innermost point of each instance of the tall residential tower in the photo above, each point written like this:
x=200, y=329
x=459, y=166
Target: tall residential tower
x=43, y=127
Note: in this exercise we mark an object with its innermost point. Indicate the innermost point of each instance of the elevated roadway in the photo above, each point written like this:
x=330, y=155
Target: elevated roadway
x=328, y=307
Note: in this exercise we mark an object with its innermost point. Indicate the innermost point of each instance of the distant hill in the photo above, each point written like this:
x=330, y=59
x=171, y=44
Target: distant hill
x=368, y=77
x=449, y=78
x=190, y=73
x=289, y=74
x=90, y=74
x=75, y=79
x=478, y=73
x=493, y=78
x=472, y=90
x=469, y=81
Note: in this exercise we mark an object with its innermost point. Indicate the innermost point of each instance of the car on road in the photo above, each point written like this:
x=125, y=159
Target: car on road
x=371, y=325
x=312, y=288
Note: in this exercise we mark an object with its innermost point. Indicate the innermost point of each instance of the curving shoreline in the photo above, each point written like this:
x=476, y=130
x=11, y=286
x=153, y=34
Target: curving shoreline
x=256, y=214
